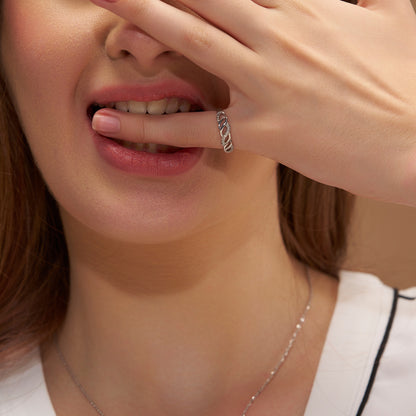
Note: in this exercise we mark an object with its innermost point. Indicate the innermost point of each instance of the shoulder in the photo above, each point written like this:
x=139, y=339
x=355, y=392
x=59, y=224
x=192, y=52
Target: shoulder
x=365, y=295
x=23, y=391
x=368, y=365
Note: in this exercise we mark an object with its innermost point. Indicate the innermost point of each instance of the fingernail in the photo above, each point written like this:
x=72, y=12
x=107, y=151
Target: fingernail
x=105, y=123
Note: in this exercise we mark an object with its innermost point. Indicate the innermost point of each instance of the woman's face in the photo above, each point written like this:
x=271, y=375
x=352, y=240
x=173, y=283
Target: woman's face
x=59, y=57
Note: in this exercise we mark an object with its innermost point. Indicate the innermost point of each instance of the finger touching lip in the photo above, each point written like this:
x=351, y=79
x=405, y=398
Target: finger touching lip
x=105, y=123
x=198, y=129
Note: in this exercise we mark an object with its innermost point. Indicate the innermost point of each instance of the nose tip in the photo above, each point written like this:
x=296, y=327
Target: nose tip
x=127, y=41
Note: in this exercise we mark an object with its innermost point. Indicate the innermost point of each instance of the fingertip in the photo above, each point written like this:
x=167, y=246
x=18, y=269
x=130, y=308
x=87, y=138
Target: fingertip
x=106, y=123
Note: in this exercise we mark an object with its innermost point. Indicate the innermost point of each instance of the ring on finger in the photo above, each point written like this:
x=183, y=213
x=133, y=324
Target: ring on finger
x=225, y=131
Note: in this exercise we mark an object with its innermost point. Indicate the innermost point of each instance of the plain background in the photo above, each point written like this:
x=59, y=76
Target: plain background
x=383, y=240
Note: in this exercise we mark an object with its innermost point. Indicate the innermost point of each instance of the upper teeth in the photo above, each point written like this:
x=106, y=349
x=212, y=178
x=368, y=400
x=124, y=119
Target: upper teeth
x=166, y=105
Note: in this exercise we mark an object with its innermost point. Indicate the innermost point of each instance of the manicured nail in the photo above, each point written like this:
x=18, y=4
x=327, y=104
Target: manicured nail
x=105, y=123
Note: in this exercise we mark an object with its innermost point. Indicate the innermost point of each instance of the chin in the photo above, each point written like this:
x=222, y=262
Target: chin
x=138, y=225
x=149, y=232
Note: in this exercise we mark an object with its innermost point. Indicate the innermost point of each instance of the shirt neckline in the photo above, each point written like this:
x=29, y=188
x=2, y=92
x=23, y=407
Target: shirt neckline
x=354, y=335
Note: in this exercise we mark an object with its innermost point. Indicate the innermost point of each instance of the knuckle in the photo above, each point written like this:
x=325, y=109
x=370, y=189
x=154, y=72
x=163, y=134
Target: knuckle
x=196, y=37
x=140, y=7
x=140, y=130
x=189, y=136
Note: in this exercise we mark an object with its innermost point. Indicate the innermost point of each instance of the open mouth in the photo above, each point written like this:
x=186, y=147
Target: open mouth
x=159, y=107
x=164, y=106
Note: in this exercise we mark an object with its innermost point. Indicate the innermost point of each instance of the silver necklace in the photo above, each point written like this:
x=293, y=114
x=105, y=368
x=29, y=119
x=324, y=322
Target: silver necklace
x=270, y=377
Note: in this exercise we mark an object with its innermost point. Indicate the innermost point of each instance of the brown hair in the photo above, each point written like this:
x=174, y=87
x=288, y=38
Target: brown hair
x=33, y=255
x=34, y=271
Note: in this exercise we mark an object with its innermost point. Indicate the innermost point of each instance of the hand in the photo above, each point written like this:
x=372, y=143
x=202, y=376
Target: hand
x=325, y=87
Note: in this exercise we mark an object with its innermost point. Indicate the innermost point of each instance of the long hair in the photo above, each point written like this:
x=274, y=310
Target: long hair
x=34, y=267
x=33, y=257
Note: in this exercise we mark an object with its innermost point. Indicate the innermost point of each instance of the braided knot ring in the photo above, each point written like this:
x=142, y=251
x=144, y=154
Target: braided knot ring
x=225, y=132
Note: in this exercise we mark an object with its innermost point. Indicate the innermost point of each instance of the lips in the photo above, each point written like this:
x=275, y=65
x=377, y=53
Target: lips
x=164, y=97
x=147, y=163
x=158, y=107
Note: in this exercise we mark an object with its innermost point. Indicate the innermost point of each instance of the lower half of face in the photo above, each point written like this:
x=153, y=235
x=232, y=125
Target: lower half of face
x=52, y=54
x=128, y=207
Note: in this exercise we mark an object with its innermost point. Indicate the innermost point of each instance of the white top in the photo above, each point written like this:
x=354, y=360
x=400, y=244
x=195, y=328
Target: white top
x=368, y=364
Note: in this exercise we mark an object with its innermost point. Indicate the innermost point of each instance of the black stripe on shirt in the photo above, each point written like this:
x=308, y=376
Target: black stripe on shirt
x=406, y=297
x=379, y=353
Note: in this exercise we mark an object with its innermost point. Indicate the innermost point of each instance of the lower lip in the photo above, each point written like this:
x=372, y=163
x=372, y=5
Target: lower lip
x=147, y=164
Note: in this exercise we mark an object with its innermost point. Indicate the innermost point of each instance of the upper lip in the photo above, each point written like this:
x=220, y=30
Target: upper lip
x=148, y=92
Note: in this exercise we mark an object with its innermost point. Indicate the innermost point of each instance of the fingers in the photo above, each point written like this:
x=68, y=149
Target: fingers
x=388, y=5
x=198, y=129
x=237, y=18
x=202, y=43
x=268, y=4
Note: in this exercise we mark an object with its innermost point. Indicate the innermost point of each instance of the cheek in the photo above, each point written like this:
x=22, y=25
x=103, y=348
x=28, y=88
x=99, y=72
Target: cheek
x=44, y=48
x=31, y=46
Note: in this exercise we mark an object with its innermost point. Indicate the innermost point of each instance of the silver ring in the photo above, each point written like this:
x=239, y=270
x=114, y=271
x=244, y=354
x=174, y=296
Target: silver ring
x=225, y=131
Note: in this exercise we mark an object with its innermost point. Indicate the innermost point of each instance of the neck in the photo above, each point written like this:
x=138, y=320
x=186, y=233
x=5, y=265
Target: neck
x=177, y=321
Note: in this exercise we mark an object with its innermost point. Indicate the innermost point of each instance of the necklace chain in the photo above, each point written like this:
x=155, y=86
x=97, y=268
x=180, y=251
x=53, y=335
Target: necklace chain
x=270, y=377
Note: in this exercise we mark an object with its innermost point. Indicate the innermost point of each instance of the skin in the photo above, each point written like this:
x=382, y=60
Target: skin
x=175, y=281
x=336, y=99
